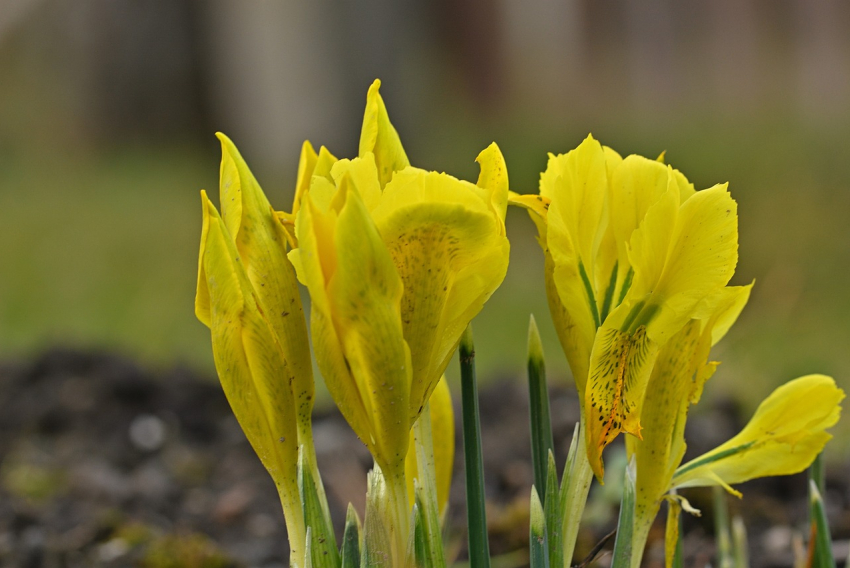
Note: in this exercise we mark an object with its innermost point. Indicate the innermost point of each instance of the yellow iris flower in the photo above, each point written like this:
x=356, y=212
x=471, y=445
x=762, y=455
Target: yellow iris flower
x=397, y=261
x=247, y=294
x=630, y=252
x=784, y=436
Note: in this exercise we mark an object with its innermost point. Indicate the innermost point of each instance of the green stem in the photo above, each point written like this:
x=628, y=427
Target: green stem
x=722, y=530
x=479, y=547
x=293, y=516
x=623, y=556
x=400, y=510
x=541, y=423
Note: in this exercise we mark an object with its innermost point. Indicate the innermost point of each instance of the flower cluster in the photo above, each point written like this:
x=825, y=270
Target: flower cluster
x=398, y=260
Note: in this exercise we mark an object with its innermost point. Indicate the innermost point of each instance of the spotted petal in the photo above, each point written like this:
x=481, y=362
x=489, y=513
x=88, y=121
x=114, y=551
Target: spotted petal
x=451, y=253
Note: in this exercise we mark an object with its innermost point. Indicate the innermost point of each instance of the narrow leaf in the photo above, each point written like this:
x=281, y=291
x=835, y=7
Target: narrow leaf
x=740, y=552
x=538, y=397
x=420, y=542
x=428, y=529
x=554, y=516
x=479, y=548
x=539, y=553
x=820, y=546
x=625, y=526
x=817, y=474
x=376, y=551
x=575, y=486
x=308, y=562
x=351, y=540
x=425, y=491
x=722, y=530
x=323, y=546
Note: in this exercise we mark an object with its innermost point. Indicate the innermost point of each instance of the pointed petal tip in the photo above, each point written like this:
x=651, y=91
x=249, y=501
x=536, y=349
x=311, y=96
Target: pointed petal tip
x=223, y=138
x=492, y=148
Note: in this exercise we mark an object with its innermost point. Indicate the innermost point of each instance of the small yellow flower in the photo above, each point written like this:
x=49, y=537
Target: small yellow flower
x=251, y=366
x=631, y=250
x=397, y=263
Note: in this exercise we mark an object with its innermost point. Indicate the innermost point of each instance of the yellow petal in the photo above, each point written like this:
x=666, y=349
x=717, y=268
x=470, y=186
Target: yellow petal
x=676, y=382
x=493, y=178
x=577, y=184
x=620, y=364
x=678, y=264
x=784, y=436
x=443, y=438
x=636, y=184
x=315, y=263
x=324, y=164
x=202, y=293
x=380, y=137
x=663, y=415
x=451, y=254
x=364, y=295
x=306, y=165
x=262, y=245
x=575, y=340
x=722, y=308
x=250, y=367
x=612, y=161
x=671, y=532
x=537, y=207
x=364, y=175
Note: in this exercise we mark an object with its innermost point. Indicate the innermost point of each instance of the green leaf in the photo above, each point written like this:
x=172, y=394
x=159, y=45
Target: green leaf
x=323, y=548
x=722, y=530
x=821, y=543
x=376, y=551
x=479, y=547
x=575, y=486
x=308, y=561
x=538, y=397
x=740, y=552
x=351, y=540
x=539, y=552
x=425, y=490
x=420, y=544
x=554, y=516
x=625, y=526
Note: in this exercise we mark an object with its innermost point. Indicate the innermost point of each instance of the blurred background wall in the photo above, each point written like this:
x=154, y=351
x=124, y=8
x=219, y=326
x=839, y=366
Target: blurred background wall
x=108, y=109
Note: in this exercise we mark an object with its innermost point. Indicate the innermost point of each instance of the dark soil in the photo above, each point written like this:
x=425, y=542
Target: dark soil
x=105, y=463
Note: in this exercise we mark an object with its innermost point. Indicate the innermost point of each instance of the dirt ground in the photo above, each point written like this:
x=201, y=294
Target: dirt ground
x=106, y=463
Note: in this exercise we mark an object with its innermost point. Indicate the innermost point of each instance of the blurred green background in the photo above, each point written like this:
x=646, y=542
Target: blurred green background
x=108, y=109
